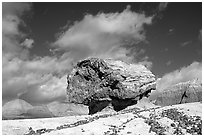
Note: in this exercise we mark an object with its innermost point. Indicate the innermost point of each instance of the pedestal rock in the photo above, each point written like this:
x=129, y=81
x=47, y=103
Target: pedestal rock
x=100, y=82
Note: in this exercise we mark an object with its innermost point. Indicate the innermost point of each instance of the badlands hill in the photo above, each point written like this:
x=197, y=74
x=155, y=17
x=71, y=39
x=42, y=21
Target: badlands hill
x=20, y=109
x=15, y=109
x=184, y=92
x=109, y=97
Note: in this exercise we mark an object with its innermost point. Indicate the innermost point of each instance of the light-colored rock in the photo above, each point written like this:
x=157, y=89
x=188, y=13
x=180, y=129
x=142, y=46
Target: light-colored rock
x=96, y=81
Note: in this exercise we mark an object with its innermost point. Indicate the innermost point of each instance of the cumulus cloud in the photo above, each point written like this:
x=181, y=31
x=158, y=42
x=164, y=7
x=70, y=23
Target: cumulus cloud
x=193, y=71
x=159, y=13
x=105, y=34
x=145, y=61
x=23, y=77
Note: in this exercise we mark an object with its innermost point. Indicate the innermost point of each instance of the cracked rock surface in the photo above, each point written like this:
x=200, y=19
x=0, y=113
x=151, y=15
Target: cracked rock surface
x=100, y=82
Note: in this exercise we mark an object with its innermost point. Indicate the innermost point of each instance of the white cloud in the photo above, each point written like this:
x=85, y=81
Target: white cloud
x=28, y=43
x=104, y=35
x=193, y=71
x=23, y=76
x=11, y=20
x=145, y=61
x=15, y=8
x=162, y=6
x=147, y=64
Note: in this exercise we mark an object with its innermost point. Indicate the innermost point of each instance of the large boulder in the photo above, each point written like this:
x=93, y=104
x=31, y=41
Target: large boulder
x=100, y=82
x=184, y=92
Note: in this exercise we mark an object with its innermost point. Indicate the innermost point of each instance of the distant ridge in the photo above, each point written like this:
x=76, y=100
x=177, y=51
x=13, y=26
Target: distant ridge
x=20, y=109
x=15, y=108
x=183, y=92
x=67, y=109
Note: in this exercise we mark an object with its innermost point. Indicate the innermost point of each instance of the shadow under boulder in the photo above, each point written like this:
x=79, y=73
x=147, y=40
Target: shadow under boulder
x=97, y=106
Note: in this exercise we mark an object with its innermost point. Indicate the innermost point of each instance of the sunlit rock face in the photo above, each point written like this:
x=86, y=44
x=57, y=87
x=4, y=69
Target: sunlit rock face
x=100, y=82
x=184, y=92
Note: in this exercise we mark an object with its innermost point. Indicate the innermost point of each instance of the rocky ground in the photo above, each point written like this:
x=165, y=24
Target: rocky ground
x=137, y=120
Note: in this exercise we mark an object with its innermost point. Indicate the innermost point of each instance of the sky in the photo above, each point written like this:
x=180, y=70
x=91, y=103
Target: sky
x=42, y=41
